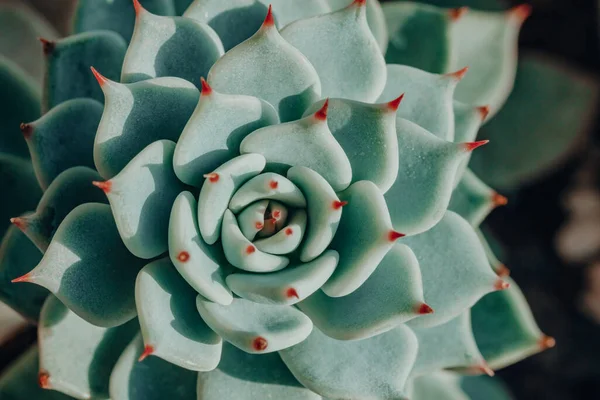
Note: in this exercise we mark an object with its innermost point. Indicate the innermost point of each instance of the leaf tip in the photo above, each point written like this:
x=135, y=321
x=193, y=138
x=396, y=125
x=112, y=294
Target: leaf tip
x=394, y=235
x=137, y=6
x=273, y=184
x=148, y=351
x=250, y=249
x=485, y=369
x=470, y=146
x=546, y=342
x=269, y=20
x=44, y=379
x=358, y=3
x=106, y=186
x=25, y=278
x=484, y=111
x=338, y=204
x=212, y=177
x=291, y=292
x=19, y=222
x=502, y=271
x=394, y=104
x=99, y=77
x=48, y=46
x=26, y=130
x=259, y=225
x=499, y=200
x=206, y=89
x=423, y=309
x=501, y=284
x=456, y=13
x=521, y=12
x=321, y=114
x=183, y=256
x=458, y=75
x=260, y=343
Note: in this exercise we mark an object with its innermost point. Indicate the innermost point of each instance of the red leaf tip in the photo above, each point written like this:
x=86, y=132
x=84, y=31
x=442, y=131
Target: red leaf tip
x=502, y=271
x=24, y=278
x=337, y=205
x=259, y=225
x=183, y=256
x=393, y=235
x=26, y=130
x=148, y=350
x=359, y=3
x=394, y=104
x=260, y=343
x=48, y=46
x=44, y=380
x=137, y=6
x=547, y=342
x=470, y=146
x=250, y=249
x=206, y=89
x=501, y=285
x=458, y=75
x=99, y=77
x=485, y=369
x=499, y=200
x=291, y=292
x=456, y=13
x=321, y=115
x=276, y=215
x=106, y=186
x=289, y=231
x=212, y=177
x=521, y=12
x=273, y=184
x=19, y=223
x=424, y=309
x=484, y=111
x=269, y=20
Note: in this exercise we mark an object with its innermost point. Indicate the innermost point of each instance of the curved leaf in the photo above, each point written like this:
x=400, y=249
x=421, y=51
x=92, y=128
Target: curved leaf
x=439, y=385
x=474, y=200
x=267, y=186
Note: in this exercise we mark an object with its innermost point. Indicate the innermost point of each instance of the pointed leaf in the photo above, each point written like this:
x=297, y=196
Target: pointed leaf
x=218, y=189
x=455, y=270
x=20, y=101
x=375, y=18
x=288, y=286
x=487, y=43
x=63, y=138
x=114, y=15
x=474, y=200
x=467, y=121
x=198, y=263
x=428, y=98
x=215, y=131
x=141, y=197
x=77, y=357
x=324, y=211
x=374, y=368
x=170, y=46
x=246, y=376
x=150, y=379
x=88, y=268
x=138, y=114
x=70, y=189
x=343, y=51
x=419, y=36
x=425, y=180
x=171, y=326
x=392, y=295
x=268, y=67
x=255, y=327
x=551, y=109
x=17, y=257
x=252, y=219
x=505, y=329
x=67, y=62
x=367, y=133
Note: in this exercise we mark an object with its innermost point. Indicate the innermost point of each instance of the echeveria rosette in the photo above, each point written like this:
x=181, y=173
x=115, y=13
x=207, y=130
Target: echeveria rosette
x=285, y=231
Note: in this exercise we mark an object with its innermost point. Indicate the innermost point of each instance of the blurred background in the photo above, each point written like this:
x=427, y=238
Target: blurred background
x=549, y=233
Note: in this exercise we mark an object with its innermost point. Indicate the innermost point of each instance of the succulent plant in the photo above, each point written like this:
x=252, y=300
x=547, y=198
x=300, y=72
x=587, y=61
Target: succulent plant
x=302, y=224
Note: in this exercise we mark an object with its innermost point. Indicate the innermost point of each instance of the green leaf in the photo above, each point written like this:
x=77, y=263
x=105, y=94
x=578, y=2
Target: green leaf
x=141, y=197
x=17, y=257
x=244, y=376
x=252, y=219
x=88, y=268
x=485, y=388
x=550, y=110
x=67, y=62
x=419, y=36
x=20, y=101
x=254, y=327
x=63, y=138
x=374, y=368
x=215, y=131
x=20, y=380
x=170, y=46
x=474, y=200
x=268, y=67
x=438, y=385
x=171, y=326
x=392, y=295
x=150, y=379
x=138, y=114
x=375, y=18
x=201, y=265
x=467, y=121
x=269, y=186
x=455, y=270
x=343, y=51
x=114, y=15
x=76, y=357
x=288, y=286
x=373, y=156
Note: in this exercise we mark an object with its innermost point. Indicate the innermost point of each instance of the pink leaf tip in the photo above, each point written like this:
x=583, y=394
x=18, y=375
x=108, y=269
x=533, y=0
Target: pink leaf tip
x=206, y=89
x=289, y=231
x=19, y=223
x=44, y=380
x=321, y=115
x=260, y=343
x=148, y=350
x=457, y=13
x=423, y=309
x=26, y=130
x=259, y=225
x=521, y=12
x=273, y=184
x=458, y=75
x=470, y=146
x=485, y=369
x=137, y=7
x=24, y=278
x=212, y=177
x=394, y=104
x=484, y=111
x=337, y=204
x=547, y=342
x=99, y=77
x=291, y=292
x=502, y=271
x=393, y=235
x=106, y=186
x=358, y=3
x=499, y=200
x=269, y=20
x=250, y=249
x=48, y=46
x=501, y=284
x=183, y=256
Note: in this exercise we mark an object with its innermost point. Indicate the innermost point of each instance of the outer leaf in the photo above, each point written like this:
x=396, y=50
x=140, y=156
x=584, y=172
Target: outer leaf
x=375, y=18
x=419, y=36
x=67, y=62
x=246, y=376
x=141, y=197
x=550, y=109
x=268, y=67
x=392, y=295
x=17, y=257
x=20, y=380
x=374, y=368
x=343, y=51
x=76, y=357
x=255, y=327
x=63, y=138
x=454, y=267
x=467, y=121
x=439, y=385
x=138, y=114
x=150, y=379
x=20, y=101
x=171, y=326
x=170, y=46
x=88, y=268
x=115, y=15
